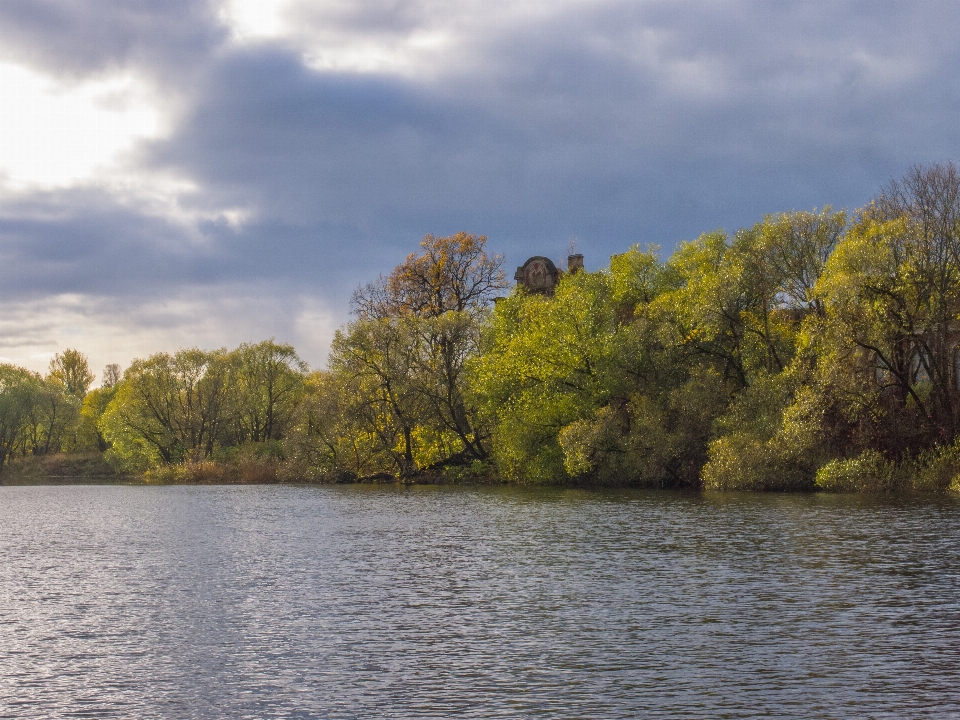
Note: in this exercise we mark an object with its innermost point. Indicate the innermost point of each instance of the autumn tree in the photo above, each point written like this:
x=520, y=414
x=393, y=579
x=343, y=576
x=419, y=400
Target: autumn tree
x=873, y=387
x=794, y=248
x=406, y=351
x=111, y=375
x=330, y=438
x=893, y=299
x=449, y=274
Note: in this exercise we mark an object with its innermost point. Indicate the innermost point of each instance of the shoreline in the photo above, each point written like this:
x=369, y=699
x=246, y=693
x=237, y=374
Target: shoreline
x=93, y=469
x=142, y=480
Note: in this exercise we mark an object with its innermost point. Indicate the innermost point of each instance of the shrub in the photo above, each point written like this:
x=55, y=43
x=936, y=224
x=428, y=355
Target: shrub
x=938, y=470
x=868, y=472
x=742, y=462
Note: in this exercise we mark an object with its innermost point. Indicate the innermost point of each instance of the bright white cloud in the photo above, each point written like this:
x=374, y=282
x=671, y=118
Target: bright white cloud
x=254, y=19
x=54, y=135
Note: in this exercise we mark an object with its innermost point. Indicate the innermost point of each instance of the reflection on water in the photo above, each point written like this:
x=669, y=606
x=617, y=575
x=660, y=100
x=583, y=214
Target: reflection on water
x=344, y=602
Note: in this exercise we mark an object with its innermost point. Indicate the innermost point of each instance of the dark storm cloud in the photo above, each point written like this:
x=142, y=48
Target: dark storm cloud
x=359, y=153
x=621, y=123
x=83, y=241
x=615, y=122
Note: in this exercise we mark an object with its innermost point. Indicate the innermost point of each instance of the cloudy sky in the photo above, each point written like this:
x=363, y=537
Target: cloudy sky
x=191, y=173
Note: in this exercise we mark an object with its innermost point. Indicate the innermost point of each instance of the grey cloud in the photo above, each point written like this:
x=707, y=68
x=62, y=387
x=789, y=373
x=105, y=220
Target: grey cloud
x=553, y=132
x=82, y=240
x=82, y=37
x=595, y=122
x=380, y=17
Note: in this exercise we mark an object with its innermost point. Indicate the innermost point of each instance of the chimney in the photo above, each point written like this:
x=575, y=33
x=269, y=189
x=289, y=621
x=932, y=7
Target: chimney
x=574, y=263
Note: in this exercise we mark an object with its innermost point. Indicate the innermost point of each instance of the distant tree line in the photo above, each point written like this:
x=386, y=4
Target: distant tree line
x=812, y=350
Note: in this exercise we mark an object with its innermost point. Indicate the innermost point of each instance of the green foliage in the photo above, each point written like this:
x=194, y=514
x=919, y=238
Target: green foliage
x=402, y=366
x=938, y=469
x=36, y=414
x=17, y=394
x=52, y=417
x=175, y=407
x=867, y=472
x=187, y=406
x=648, y=441
x=71, y=370
x=327, y=441
x=804, y=352
x=266, y=387
x=372, y=360
x=892, y=295
x=405, y=382
x=705, y=369
x=765, y=440
x=88, y=435
x=546, y=365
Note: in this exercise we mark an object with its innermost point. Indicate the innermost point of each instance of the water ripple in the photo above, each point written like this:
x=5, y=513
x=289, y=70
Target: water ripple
x=349, y=602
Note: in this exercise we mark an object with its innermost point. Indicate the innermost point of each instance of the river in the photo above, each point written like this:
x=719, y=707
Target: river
x=432, y=602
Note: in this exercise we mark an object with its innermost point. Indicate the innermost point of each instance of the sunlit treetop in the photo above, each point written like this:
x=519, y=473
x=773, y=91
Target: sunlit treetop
x=452, y=273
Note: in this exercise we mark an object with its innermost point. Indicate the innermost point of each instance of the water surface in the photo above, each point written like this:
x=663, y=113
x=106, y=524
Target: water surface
x=360, y=601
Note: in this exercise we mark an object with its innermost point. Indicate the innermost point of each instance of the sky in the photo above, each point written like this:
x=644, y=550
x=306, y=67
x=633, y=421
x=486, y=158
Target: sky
x=206, y=173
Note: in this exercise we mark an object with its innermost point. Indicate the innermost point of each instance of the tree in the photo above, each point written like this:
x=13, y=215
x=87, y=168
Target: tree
x=738, y=304
x=17, y=396
x=442, y=347
x=52, y=414
x=328, y=439
x=71, y=370
x=546, y=364
x=406, y=352
x=373, y=360
x=111, y=375
x=452, y=273
x=268, y=381
x=796, y=247
x=95, y=404
x=889, y=336
x=590, y=384
x=35, y=413
x=719, y=312
x=889, y=340
x=875, y=377
x=929, y=196
x=170, y=408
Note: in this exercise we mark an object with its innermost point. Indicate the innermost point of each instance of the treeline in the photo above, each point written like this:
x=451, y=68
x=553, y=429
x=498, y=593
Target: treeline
x=814, y=350
x=165, y=411
x=42, y=415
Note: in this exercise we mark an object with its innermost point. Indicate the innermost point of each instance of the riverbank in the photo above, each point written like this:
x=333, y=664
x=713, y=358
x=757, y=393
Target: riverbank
x=93, y=469
x=62, y=469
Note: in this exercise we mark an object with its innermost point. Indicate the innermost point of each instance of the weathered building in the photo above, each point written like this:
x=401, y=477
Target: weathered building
x=540, y=275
